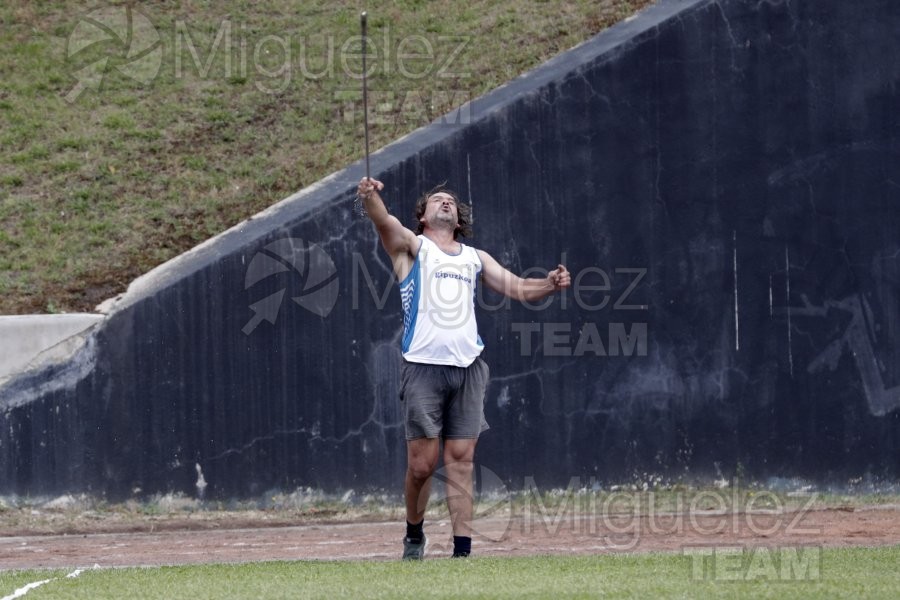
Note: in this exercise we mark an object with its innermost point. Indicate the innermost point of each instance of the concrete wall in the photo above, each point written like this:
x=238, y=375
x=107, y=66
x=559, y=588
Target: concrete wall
x=32, y=339
x=731, y=167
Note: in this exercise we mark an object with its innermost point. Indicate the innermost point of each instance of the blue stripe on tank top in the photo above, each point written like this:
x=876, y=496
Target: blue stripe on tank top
x=409, y=297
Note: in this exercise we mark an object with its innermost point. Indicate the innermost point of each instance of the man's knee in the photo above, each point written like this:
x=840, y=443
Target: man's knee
x=459, y=451
x=420, y=469
x=422, y=459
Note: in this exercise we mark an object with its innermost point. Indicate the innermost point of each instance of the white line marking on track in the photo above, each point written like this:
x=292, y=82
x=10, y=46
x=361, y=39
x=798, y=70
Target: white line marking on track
x=36, y=584
x=25, y=589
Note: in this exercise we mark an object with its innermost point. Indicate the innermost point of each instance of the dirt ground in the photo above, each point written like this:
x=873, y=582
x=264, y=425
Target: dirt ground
x=243, y=539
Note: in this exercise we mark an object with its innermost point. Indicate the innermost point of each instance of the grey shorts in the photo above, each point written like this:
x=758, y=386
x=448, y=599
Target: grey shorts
x=443, y=401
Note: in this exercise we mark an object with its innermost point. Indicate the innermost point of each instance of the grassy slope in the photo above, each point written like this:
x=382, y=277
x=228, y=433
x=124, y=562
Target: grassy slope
x=840, y=573
x=99, y=190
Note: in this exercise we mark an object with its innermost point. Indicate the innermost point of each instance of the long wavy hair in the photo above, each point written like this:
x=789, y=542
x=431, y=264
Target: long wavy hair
x=463, y=211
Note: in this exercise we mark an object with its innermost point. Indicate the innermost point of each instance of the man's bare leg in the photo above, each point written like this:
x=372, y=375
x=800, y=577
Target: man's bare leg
x=458, y=457
x=421, y=461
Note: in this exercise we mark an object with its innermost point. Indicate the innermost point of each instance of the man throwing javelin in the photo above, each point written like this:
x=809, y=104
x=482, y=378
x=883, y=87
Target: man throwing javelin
x=443, y=379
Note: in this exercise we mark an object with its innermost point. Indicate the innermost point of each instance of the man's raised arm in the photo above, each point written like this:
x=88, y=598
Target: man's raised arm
x=396, y=239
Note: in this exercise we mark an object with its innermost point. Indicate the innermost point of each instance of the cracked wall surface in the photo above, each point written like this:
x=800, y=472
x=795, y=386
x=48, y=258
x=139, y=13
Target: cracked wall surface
x=722, y=175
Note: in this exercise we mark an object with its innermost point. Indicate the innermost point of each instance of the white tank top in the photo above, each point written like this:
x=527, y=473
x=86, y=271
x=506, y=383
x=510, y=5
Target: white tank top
x=438, y=299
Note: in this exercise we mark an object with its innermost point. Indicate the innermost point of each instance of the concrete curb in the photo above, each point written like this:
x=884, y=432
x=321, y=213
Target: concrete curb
x=31, y=340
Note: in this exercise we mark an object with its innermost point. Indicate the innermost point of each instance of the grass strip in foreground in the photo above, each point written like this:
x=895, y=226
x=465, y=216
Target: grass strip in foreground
x=708, y=573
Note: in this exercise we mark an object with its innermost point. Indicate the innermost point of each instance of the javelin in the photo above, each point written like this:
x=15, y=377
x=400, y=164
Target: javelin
x=362, y=22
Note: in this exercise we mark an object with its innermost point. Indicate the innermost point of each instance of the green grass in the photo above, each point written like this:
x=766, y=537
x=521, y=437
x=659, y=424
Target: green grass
x=829, y=573
x=168, y=163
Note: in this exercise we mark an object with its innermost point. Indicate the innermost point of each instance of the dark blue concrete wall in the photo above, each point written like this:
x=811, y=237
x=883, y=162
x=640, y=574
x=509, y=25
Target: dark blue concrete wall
x=733, y=168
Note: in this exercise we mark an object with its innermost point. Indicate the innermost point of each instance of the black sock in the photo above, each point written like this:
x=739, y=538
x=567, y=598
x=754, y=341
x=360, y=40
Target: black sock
x=414, y=532
x=462, y=546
